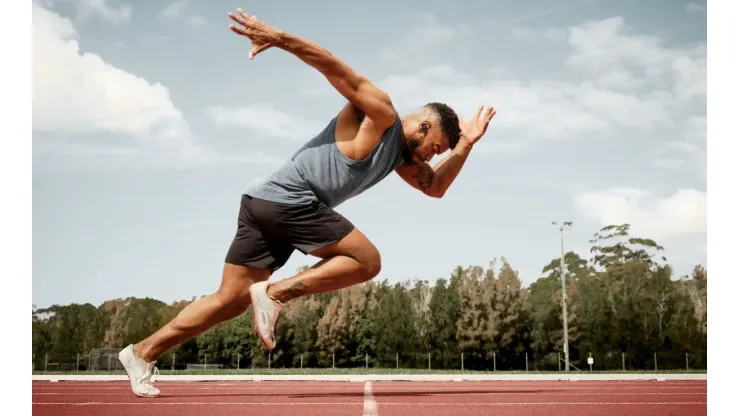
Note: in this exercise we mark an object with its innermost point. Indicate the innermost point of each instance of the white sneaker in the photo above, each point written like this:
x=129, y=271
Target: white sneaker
x=139, y=373
x=266, y=311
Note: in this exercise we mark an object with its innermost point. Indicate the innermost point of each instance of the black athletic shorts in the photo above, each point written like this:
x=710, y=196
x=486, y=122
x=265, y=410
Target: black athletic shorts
x=268, y=232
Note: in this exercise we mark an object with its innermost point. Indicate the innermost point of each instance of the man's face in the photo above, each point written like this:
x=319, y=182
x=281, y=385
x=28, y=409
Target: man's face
x=428, y=142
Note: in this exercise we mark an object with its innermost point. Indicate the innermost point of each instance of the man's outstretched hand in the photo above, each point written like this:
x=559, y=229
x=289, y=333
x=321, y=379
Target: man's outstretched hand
x=263, y=36
x=472, y=130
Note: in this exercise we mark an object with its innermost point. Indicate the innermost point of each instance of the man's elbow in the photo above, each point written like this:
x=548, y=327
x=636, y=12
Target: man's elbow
x=435, y=192
x=378, y=104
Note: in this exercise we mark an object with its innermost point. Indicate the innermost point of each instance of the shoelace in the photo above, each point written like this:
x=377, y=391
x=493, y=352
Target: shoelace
x=150, y=376
x=276, y=301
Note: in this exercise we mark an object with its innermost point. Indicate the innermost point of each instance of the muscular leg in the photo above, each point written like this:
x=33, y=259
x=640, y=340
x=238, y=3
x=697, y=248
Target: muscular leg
x=230, y=301
x=350, y=261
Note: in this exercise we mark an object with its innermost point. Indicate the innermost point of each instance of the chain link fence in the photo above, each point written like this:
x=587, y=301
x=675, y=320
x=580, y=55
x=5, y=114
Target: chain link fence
x=106, y=360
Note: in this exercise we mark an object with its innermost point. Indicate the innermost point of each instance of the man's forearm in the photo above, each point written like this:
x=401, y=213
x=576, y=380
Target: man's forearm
x=313, y=54
x=447, y=170
x=359, y=91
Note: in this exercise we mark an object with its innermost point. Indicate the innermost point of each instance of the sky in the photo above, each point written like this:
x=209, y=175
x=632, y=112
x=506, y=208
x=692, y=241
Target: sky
x=149, y=120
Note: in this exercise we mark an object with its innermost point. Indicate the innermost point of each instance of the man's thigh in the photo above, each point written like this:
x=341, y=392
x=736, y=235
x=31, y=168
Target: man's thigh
x=252, y=247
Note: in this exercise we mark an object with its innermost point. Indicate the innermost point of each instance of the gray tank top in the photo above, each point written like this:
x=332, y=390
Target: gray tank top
x=318, y=170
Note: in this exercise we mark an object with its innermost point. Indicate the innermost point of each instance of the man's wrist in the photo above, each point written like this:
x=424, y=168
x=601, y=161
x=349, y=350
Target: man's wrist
x=281, y=39
x=464, y=146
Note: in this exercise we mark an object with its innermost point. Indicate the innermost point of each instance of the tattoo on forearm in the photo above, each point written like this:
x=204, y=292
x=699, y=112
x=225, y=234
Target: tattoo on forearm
x=424, y=175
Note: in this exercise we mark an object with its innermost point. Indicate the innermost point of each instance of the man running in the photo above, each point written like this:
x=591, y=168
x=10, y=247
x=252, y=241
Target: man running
x=293, y=208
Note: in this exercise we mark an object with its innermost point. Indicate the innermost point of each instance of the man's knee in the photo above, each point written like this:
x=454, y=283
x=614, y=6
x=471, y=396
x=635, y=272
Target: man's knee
x=371, y=262
x=233, y=294
x=358, y=247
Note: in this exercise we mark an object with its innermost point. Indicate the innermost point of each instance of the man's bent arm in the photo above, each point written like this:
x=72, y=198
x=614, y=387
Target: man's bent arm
x=435, y=181
x=358, y=90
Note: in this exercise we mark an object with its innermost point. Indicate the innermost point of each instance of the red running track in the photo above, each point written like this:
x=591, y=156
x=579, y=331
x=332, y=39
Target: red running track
x=502, y=398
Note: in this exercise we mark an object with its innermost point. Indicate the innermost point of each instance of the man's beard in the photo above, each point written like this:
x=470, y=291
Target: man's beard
x=408, y=151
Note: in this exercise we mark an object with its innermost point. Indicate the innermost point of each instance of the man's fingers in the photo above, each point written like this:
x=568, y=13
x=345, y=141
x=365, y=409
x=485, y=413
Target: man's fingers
x=477, y=113
x=491, y=113
x=244, y=15
x=237, y=19
x=239, y=30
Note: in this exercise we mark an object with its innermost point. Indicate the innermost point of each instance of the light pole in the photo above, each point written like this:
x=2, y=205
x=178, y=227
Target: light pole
x=562, y=227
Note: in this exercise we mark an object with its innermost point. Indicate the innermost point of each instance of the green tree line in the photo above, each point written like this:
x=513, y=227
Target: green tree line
x=622, y=304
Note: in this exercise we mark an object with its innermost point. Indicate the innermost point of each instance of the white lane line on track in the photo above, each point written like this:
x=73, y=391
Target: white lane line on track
x=369, y=407
x=344, y=383
x=385, y=386
x=430, y=392
x=155, y=402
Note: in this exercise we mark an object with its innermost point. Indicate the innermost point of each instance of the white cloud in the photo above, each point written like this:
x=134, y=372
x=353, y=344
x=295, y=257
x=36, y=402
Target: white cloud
x=196, y=21
x=522, y=106
x=177, y=9
x=531, y=34
x=570, y=111
x=683, y=213
x=631, y=82
x=671, y=82
x=80, y=92
x=174, y=9
x=77, y=92
x=692, y=7
x=608, y=49
x=669, y=163
x=423, y=36
x=85, y=149
x=265, y=120
x=689, y=146
x=116, y=15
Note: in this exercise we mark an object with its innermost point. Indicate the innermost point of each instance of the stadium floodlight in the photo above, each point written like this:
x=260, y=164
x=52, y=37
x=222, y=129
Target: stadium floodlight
x=562, y=227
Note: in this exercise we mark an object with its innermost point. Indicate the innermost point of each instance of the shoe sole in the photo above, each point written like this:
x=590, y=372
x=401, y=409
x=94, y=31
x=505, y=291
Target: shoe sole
x=267, y=343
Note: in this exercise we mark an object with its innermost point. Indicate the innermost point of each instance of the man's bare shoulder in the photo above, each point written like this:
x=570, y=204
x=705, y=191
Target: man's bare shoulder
x=356, y=134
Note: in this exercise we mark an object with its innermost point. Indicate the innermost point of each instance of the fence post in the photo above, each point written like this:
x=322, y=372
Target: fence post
x=90, y=363
x=462, y=362
x=590, y=363
x=429, y=360
x=173, y=361
x=365, y=360
x=269, y=360
x=623, y=367
x=46, y=361
x=396, y=361
x=301, y=360
x=655, y=360
x=494, y=361
x=77, y=366
x=559, y=365
x=109, y=355
x=526, y=361
x=333, y=358
x=687, y=361
x=238, y=359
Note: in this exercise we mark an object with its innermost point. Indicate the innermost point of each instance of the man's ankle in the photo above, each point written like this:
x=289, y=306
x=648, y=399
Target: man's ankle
x=143, y=353
x=274, y=293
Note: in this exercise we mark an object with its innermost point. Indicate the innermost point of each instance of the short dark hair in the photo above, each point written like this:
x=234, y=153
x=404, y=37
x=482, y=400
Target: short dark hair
x=448, y=121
